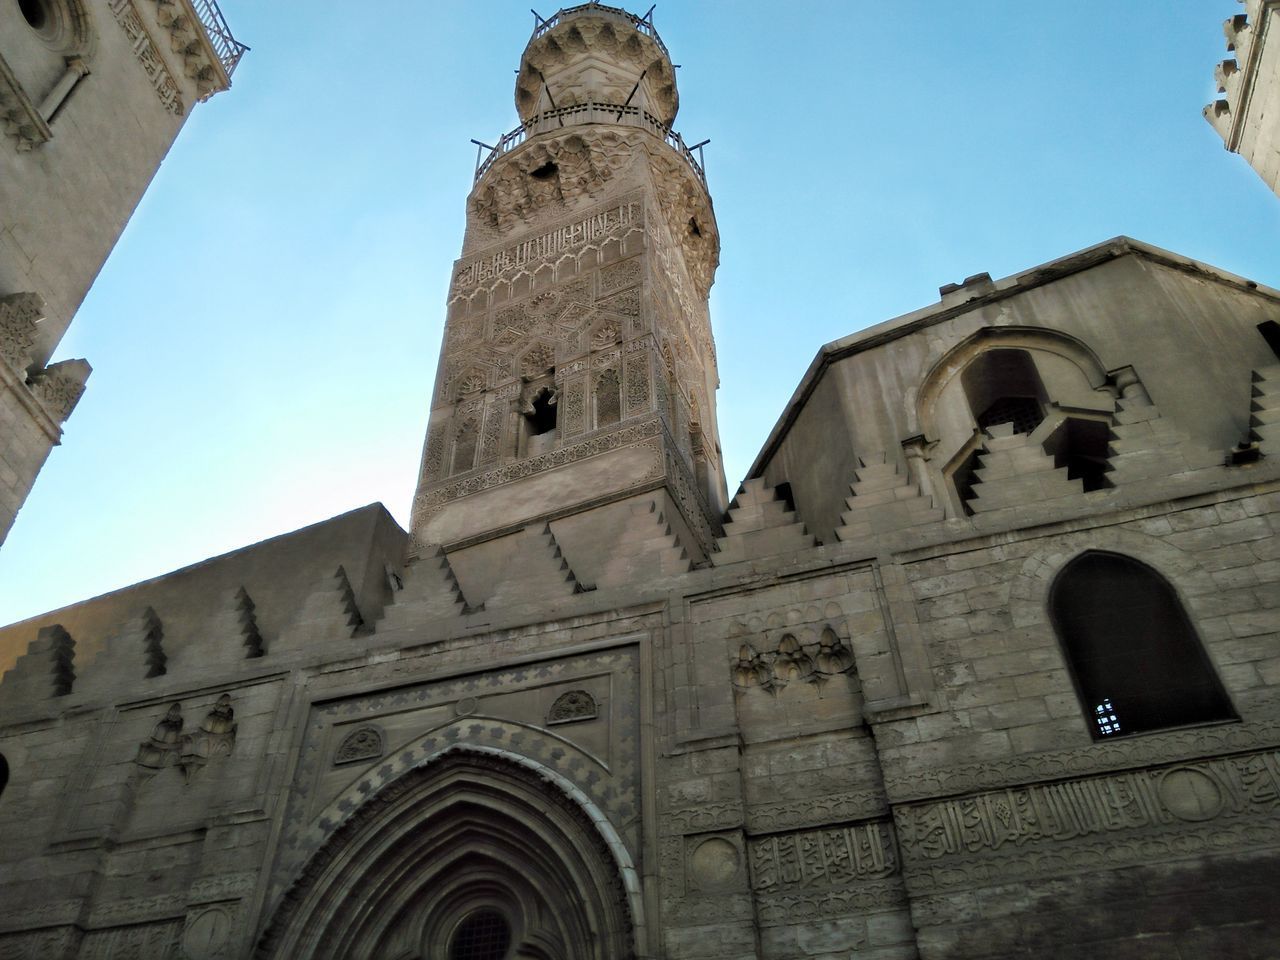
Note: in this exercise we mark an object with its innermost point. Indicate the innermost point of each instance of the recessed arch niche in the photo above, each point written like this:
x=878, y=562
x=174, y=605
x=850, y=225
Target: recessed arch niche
x=1024, y=378
x=473, y=832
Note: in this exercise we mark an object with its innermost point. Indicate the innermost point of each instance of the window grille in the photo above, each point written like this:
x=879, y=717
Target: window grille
x=484, y=935
x=1023, y=412
x=1108, y=722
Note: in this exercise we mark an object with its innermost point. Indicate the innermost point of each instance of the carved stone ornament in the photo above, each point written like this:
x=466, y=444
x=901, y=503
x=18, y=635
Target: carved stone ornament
x=714, y=863
x=791, y=662
x=1114, y=818
x=148, y=56
x=59, y=387
x=165, y=746
x=214, y=739
x=830, y=856
x=612, y=223
x=168, y=746
x=208, y=934
x=364, y=744
x=19, y=314
x=572, y=706
x=555, y=172
x=200, y=62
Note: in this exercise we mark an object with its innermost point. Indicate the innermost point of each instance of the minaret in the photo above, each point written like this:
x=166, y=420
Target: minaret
x=576, y=383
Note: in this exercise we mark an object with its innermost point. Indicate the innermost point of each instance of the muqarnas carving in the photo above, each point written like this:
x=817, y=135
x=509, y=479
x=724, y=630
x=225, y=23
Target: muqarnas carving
x=572, y=706
x=168, y=746
x=792, y=662
x=364, y=744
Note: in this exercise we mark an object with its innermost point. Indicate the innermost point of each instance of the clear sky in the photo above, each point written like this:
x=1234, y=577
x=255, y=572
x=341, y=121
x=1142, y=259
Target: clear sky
x=264, y=337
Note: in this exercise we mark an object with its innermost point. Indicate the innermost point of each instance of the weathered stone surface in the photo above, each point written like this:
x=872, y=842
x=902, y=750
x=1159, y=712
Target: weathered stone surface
x=581, y=704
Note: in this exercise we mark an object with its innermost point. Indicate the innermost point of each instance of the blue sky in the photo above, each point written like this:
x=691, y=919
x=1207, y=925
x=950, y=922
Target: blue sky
x=264, y=337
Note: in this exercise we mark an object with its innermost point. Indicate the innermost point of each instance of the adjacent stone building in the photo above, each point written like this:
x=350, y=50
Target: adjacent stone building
x=1247, y=116
x=979, y=662
x=92, y=94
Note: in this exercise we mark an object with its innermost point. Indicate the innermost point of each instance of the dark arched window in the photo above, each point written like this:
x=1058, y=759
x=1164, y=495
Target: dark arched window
x=1137, y=662
x=4, y=773
x=1002, y=386
x=483, y=935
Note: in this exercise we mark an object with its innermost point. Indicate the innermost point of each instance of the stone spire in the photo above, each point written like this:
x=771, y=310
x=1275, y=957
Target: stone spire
x=578, y=371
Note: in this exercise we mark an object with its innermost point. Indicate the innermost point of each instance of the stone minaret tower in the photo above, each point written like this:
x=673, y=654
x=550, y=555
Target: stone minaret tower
x=575, y=394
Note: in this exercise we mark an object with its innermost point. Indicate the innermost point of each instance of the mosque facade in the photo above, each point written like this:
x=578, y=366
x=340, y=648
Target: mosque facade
x=979, y=661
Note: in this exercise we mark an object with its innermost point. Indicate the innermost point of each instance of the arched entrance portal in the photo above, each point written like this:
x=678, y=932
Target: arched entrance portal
x=473, y=856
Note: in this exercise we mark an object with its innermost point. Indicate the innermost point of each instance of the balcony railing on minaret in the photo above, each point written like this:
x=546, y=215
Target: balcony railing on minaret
x=590, y=112
x=226, y=46
x=643, y=24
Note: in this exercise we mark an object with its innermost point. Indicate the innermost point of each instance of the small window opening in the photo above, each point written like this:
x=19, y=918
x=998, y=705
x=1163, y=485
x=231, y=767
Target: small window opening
x=1023, y=412
x=1003, y=386
x=35, y=13
x=545, y=172
x=484, y=935
x=783, y=492
x=608, y=399
x=1137, y=662
x=1108, y=722
x=1270, y=331
x=543, y=417
x=694, y=229
x=1081, y=447
x=965, y=478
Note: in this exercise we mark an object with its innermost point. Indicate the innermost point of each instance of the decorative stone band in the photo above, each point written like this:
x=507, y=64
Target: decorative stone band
x=816, y=811
x=832, y=856
x=204, y=42
x=1159, y=808
x=906, y=782
x=523, y=468
x=148, y=56
x=705, y=816
x=490, y=267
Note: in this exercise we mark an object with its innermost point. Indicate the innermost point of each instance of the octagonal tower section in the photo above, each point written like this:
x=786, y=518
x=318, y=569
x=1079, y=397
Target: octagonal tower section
x=576, y=383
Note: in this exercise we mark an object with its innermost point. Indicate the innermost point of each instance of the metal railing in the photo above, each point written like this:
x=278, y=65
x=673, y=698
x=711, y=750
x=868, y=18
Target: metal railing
x=227, y=47
x=643, y=24
x=590, y=112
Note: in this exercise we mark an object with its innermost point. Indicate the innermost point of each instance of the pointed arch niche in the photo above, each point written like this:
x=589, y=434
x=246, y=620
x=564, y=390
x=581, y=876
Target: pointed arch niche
x=473, y=847
x=1135, y=657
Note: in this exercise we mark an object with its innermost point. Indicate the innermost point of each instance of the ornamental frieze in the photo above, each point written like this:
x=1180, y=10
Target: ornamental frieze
x=1142, y=800
x=831, y=856
x=612, y=223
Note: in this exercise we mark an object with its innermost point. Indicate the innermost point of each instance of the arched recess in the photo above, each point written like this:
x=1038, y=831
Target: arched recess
x=1023, y=378
x=475, y=831
x=1133, y=652
x=1064, y=365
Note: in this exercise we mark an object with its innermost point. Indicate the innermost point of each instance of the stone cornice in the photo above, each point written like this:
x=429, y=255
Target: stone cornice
x=189, y=40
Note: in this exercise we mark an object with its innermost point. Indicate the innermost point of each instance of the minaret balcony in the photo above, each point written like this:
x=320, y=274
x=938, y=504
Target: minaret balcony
x=574, y=114
x=643, y=24
x=225, y=46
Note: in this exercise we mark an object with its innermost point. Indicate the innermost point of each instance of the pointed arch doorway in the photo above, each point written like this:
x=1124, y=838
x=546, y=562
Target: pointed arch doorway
x=473, y=856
